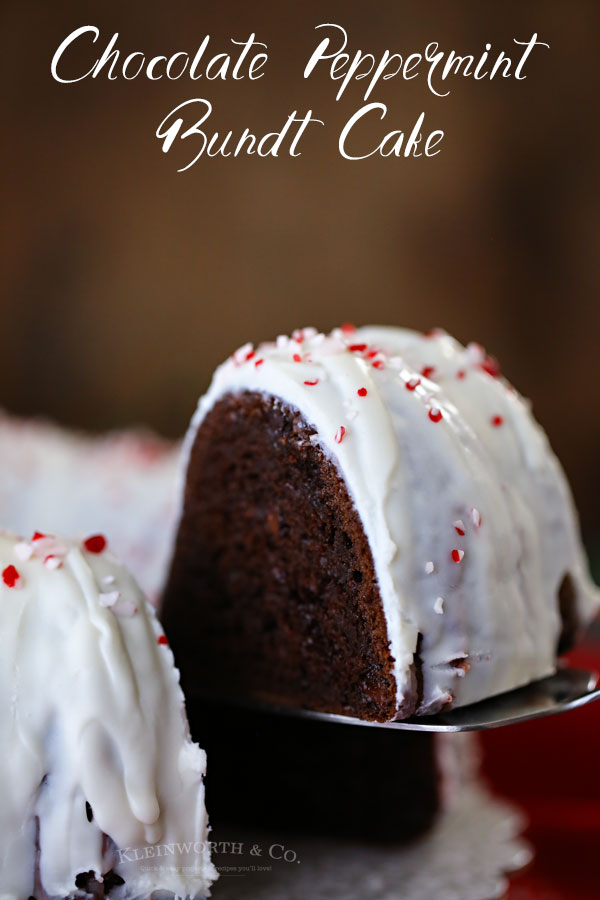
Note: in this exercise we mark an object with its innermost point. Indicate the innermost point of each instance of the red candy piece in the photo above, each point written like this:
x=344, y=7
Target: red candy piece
x=413, y=384
x=162, y=640
x=348, y=327
x=10, y=576
x=378, y=364
x=37, y=536
x=259, y=362
x=427, y=371
x=357, y=348
x=362, y=392
x=296, y=357
x=312, y=383
x=491, y=365
x=476, y=516
x=339, y=435
x=435, y=414
x=497, y=421
x=457, y=555
x=96, y=543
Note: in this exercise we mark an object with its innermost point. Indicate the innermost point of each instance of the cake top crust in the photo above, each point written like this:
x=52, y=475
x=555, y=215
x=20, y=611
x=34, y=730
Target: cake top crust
x=467, y=511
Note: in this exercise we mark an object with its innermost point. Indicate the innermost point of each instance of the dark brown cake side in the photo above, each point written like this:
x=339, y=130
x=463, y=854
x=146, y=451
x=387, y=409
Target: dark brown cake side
x=272, y=593
x=282, y=774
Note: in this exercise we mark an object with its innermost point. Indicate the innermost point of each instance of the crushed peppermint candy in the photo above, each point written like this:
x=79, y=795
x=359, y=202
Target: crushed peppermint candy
x=413, y=384
x=429, y=568
x=476, y=517
x=96, y=543
x=474, y=353
x=11, y=577
x=459, y=527
x=312, y=383
x=438, y=606
x=47, y=548
x=457, y=555
x=125, y=609
x=497, y=421
x=109, y=598
x=357, y=348
x=23, y=551
x=258, y=362
x=362, y=392
x=243, y=354
x=162, y=640
x=491, y=365
x=435, y=414
x=339, y=435
x=296, y=357
x=427, y=371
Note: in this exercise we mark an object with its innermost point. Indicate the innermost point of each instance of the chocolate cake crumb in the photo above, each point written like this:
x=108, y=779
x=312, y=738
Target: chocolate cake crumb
x=272, y=593
x=567, y=605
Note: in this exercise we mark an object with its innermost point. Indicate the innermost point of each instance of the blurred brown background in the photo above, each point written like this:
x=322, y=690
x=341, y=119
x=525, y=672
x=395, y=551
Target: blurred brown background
x=125, y=283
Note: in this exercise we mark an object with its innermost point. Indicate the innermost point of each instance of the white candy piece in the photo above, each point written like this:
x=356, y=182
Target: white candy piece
x=96, y=760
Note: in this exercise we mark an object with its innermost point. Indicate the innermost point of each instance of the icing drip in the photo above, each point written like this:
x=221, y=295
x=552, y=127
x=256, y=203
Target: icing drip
x=467, y=511
x=96, y=753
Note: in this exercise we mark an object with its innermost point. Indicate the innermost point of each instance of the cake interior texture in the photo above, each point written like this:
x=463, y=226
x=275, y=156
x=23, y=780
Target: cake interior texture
x=272, y=593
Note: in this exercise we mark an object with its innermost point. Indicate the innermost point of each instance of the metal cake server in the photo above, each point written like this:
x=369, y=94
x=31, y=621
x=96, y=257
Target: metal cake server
x=568, y=689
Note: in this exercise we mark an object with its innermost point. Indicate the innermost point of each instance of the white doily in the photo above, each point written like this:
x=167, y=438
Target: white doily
x=466, y=856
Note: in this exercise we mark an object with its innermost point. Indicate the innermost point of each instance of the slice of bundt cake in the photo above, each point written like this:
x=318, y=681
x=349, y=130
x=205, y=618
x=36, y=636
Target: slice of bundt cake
x=100, y=784
x=372, y=524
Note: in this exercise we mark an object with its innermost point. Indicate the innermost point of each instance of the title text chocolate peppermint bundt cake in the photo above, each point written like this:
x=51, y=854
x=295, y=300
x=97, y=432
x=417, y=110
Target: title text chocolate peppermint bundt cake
x=98, y=775
x=373, y=524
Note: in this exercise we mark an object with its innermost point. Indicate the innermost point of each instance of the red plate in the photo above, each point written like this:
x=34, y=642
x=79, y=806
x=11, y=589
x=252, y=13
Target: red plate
x=551, y=768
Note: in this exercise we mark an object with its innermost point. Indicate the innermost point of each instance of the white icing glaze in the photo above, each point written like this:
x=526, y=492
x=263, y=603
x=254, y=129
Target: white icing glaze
x=420, y=463
x=92, y=711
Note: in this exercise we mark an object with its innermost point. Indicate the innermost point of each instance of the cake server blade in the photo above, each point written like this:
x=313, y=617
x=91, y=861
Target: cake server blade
x=569, y=688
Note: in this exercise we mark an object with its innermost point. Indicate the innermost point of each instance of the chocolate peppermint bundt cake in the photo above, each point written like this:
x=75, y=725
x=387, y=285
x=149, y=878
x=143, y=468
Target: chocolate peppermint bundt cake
x=98, y=774
x=372, y=524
